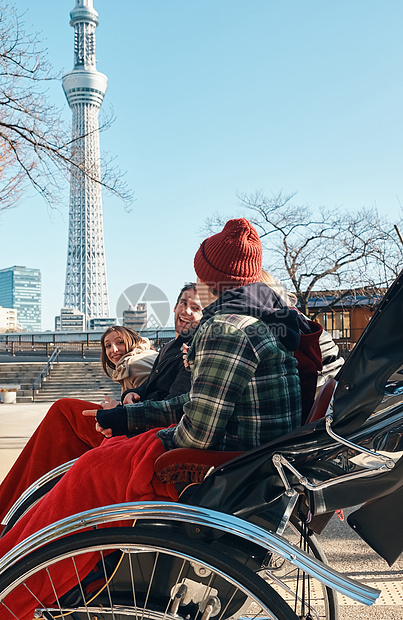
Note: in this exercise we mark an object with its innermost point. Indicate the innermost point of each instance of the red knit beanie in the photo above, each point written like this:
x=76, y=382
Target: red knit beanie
x=231, y=258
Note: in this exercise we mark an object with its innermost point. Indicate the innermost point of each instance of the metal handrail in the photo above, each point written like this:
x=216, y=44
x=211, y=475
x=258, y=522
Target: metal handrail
x=37, y=384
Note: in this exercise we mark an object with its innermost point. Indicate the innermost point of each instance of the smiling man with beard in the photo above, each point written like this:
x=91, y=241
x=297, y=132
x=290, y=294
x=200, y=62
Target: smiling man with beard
x=168, y=377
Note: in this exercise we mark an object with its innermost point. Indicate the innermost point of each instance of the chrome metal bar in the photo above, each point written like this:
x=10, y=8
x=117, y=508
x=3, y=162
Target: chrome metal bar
x=292, y=500
x=177, y=599
x=365, y=473
x=130, y=612
x=277, y=462
x=211, y=605
x=389, y=463
x=198, y=516
x=386, y=463
x=54, y=473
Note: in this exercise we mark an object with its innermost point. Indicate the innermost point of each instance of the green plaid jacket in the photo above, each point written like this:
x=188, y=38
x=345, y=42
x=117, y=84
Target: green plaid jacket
x=245, y=390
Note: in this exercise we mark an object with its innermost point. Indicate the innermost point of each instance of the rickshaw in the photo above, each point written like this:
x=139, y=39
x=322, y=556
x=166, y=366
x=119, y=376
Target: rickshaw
x=242, y=540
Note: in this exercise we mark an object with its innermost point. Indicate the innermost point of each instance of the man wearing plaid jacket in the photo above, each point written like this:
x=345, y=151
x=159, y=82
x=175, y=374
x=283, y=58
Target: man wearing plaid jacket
x=245, y=388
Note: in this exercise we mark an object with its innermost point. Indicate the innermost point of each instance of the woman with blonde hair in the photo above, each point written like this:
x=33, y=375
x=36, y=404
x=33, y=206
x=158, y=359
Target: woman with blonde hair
x=64, y=434
x=276, y=285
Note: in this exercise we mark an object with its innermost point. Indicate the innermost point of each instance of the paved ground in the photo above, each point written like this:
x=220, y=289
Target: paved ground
x=345, y=550
x=348, y=554
x=17, y=423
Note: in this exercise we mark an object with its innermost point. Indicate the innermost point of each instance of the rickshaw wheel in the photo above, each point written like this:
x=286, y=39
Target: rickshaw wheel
x=305, y=595
x=144, y=574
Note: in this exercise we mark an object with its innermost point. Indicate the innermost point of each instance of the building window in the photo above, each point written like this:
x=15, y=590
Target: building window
x=336, y=323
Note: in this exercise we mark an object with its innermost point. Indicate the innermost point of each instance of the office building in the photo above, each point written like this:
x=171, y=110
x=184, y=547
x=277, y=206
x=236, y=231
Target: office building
x=101, y=323
x=9, y=320
x=136, y=318
x=20, y=289
x=70, y=320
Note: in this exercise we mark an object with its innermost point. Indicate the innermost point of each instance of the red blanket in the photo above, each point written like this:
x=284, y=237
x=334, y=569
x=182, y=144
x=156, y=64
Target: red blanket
x=120, y=470
x=64, y=434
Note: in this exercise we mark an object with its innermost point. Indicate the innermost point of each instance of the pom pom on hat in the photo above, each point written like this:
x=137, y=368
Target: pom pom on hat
x=231, y=258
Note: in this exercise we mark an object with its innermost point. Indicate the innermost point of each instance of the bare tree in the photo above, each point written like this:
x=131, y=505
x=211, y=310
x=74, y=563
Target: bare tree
x=342, y=252
x=36, y=147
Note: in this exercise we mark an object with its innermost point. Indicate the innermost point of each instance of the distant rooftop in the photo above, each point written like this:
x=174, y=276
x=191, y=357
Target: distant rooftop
x=367, y=297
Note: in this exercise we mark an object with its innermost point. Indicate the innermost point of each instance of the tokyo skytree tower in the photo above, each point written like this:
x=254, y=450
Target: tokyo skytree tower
x=85, y=87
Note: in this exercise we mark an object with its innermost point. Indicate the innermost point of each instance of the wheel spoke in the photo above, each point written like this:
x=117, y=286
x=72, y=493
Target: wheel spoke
x=132, y=585
x=107, y=584
x=81, y=588
x=144, y=578
x=304, y=594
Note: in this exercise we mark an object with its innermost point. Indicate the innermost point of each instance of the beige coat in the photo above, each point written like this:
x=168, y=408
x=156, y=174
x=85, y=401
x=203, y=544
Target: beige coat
x=133, y=368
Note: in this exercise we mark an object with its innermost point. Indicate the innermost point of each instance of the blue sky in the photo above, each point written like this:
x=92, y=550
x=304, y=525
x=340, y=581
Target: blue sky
x=215, y=97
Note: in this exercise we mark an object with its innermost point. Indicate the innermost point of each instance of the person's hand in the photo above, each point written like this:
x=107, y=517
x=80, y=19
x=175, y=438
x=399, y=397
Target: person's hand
x=185, y=349
x=91, y=413
x=108, y=403
x=131, y=398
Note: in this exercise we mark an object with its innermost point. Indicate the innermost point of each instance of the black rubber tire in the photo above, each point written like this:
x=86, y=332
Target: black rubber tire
x=151, y=537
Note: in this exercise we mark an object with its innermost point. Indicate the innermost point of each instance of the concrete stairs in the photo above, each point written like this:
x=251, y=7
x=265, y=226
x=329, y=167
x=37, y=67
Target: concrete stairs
x=23, y=374
x=79, y=379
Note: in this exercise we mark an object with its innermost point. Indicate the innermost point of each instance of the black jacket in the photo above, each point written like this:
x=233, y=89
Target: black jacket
x=168, y=376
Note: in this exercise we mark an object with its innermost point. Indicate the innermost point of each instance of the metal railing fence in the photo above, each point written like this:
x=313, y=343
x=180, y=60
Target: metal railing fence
x=83, y=344
x=45, y=372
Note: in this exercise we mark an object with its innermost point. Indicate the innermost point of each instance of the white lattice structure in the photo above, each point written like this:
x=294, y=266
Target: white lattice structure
x=85, y=87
